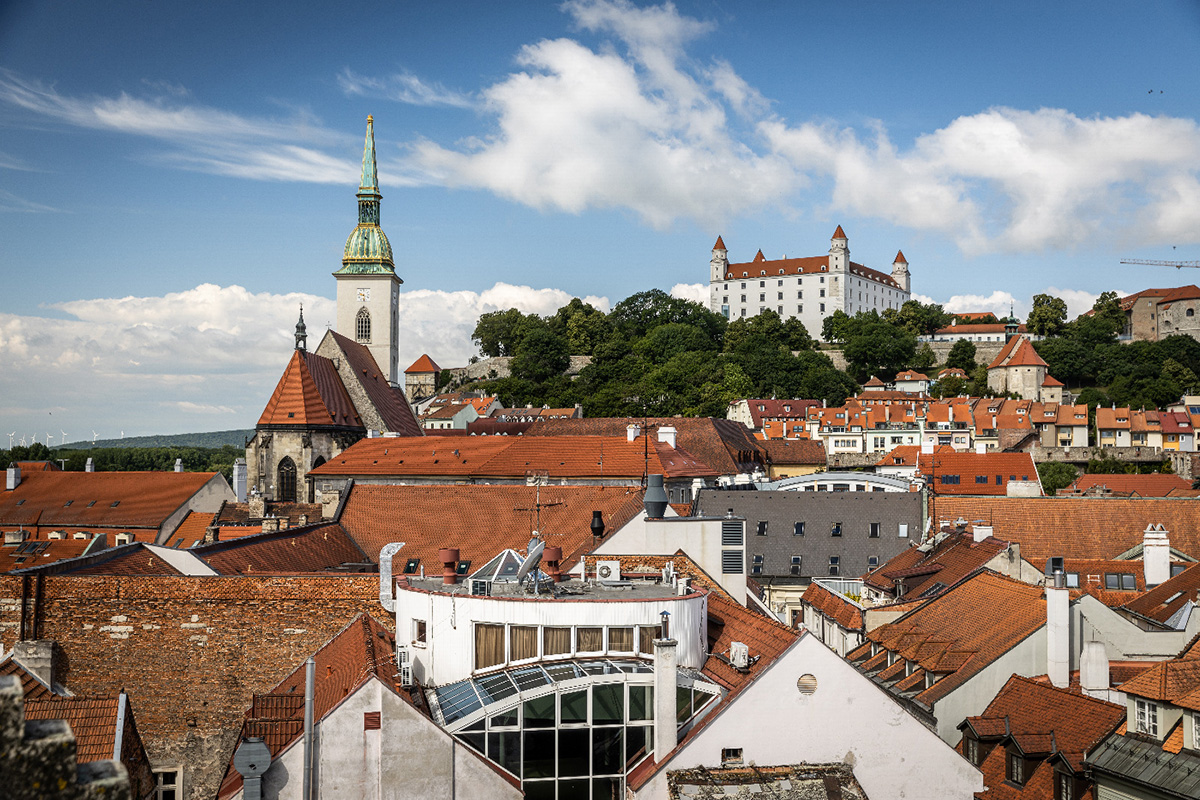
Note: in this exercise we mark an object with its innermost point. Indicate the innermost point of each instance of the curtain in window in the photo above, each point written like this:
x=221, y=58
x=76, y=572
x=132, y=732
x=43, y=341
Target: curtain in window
x=556, y=641
x=489, y=645
x=522, y=642
x=620, y=640
x=589, y=640
x=646, y=636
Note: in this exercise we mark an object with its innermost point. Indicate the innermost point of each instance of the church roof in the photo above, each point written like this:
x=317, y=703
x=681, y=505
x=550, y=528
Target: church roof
x=310, y=393
x=389, y=401
x=423, y=364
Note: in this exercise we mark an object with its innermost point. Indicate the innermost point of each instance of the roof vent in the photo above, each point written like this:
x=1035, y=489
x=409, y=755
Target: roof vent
x=656, y=497
x=597, y=524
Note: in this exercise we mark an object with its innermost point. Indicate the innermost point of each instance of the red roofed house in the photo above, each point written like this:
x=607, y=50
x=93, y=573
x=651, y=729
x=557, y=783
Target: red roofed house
x=328, y=399
x=911, y=381
x=1154, y=314
x=809, y=288
x=420, y=380
x=980, y=474
x=1020, y=370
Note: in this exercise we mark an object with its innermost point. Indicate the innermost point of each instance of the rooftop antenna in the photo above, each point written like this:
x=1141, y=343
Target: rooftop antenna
x=530, y=564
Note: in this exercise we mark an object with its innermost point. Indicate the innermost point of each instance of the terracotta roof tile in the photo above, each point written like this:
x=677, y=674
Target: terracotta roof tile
x=720, y=245
x=42, y=552
x=839, y=233
x=907, y=455
x=423, y=364
x=192, y=530
x=310, y=393
x=1164, y=601
x=771, y=408
x=313, y=548
x=93, y=720
x=1078, y=527
x=31, y=685
x=834, y=606
x=1149, y=485
x=965, y=470
x=947, y=563
x=794, y=451
x=233, y=513
x=481, y=520
x=389, y=401
x=132, y=559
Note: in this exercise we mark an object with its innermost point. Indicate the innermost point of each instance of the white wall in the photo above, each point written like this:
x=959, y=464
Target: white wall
x=207, y=500
x=699, y=538
x=848, y=719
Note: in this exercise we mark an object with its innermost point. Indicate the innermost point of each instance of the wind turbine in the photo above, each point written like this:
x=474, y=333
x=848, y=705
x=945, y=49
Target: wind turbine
x=95, y=436
x=63, y=440
x=10, y=439
x=48, y=438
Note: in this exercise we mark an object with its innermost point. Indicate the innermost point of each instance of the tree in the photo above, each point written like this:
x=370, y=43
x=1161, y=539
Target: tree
x=1107, y=309
x=924, y=359
x=791, y=334
x=949, y=386
x=984, y=319
x=877, y=348
x=1184, y=377
x=920, y=319
x=496, y=332
x=639, y=313
x=666, y=341
x=1048, y=315
x=962, y=356
x=835, y=327
x=540, y=355
x=1056, y=475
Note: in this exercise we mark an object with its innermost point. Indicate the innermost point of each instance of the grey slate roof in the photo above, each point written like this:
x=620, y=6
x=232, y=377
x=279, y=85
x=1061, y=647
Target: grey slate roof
x=1147, y=764
x=820, y=512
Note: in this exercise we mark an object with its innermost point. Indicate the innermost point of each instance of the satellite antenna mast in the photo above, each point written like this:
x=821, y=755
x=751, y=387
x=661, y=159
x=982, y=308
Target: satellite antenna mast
x=530, y=564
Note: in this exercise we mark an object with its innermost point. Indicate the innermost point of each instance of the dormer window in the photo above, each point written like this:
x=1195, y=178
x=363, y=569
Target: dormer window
x=1146, y=714
x=1016, y=769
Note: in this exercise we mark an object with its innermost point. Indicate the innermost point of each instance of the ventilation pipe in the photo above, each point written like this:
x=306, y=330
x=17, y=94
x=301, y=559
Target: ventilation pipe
x=1156, y=555
x=386, y=597
x=90, y=466
x=1058, y=630
x=14, y=477
x=179, y=465
x=633, y=431
x=597, y=524
x=666, y=667
x=252, y=759
x=551, y=557
x=667, y=436
x=449, y=559
x=656, y=497
x=310, y=694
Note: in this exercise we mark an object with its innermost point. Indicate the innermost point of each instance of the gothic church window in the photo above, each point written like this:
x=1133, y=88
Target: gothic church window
x=286, y=486
x=362, y=326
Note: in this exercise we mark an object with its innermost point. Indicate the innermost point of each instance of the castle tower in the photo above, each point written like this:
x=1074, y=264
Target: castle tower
x=720, y=260
x=839, y=267
x=900, y=270
x=368, y=289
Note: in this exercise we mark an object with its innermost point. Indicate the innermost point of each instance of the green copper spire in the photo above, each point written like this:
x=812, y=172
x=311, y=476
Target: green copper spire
x=368, y=251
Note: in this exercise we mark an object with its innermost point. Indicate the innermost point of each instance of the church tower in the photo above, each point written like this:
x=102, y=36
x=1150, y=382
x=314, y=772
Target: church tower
x=368, y=289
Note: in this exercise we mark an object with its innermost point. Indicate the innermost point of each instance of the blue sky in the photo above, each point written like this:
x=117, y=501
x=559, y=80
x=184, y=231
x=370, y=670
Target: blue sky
x=176, y=178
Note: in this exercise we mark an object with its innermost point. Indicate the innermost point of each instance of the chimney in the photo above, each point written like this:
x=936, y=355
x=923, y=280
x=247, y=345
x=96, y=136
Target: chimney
x=90, y=466
x=256, y=507
x=666, y=667
x=597, y=524
x=632, y=431
x=926, y=447
x=1156, y=555
x=1058, y=630
x=981, y=532
x=656, y=497
x=551, y=557
x=239, y=479
x=179, y=465
x=1093, y=670
x=14, y=477
x=39, y=656
x=667, y=436
x=980, y=448
x=449, y=558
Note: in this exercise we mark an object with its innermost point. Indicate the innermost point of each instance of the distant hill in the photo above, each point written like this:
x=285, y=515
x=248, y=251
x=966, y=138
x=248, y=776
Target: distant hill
x=236, y=438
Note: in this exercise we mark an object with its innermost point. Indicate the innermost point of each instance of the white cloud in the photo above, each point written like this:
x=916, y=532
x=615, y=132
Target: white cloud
x=205, y=358
x=403, y=87
x=697, y=292
x=998, y=303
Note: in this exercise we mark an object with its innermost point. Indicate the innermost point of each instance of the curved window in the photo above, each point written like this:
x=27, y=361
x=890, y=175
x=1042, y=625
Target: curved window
x=318, y=461
x=362, y=326
x=286, y=487
x=1191, y=312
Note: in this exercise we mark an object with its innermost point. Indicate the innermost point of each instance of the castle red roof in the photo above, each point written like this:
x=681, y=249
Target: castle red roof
x=423, y=364
x=839, y=233
x=720, y=245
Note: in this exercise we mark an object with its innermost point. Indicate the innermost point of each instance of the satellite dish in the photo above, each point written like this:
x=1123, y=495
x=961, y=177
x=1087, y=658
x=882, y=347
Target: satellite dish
x=530, y=564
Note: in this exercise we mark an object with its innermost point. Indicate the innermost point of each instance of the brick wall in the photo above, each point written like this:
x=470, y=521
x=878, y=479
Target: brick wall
x=190, y=652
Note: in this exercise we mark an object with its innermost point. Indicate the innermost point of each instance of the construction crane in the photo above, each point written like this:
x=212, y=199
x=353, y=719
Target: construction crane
x=1154, y=263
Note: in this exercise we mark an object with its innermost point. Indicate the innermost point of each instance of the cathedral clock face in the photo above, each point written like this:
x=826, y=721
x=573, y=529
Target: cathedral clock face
x=364, y=295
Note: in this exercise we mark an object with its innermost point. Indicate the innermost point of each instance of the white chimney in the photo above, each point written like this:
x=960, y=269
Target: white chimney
x=14, y=477
x=1093, y=670
x=980, y=448
x=1156, y=555
x=239, y=479
x=632, y=431
x=926, y=447
x=666, y=667
x=90, y=466
x=981, y=532
x=1058, y=630
x=667, y=436
x=179, y=465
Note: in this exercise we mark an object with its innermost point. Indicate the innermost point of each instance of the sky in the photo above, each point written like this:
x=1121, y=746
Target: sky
x=176, y=179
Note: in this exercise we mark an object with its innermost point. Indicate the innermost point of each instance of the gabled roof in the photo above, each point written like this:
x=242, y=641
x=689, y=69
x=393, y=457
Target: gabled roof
x=834, y=606
x=947, y=563
x=310, y=393
x=93, y=720
x=192, y=530
x=480, y=519
x=771, y=408
x=359, y=652
x=1024, y=355
x=1079, y=527
x=900, y=259
x=970, y=468
x=313, y=548
x=233, y=513
x=1154, y=484
x=783, y=452
x=963, y=630
x=423, y=364
x=1165, y=600
x=911, y=375
x=388, y=401
x=1052, y=381
x=1175, y=681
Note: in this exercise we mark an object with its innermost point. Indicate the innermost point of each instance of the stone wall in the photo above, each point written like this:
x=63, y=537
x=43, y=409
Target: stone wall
x=1081, y=455
x=490, y=368
x=985, y=352
x=190, y=652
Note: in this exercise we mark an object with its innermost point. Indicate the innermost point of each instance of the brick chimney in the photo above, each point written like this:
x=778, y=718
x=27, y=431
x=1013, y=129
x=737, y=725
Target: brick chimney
x=449, y=558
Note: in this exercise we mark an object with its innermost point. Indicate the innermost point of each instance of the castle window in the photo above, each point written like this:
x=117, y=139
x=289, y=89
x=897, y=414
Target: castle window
x=1191, y=312
x=362, y=326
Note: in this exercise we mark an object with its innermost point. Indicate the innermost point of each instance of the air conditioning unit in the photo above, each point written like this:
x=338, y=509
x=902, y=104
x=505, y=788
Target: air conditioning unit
x=481, y=587
x=404, y=661
x=608, y=570
x=739, y=655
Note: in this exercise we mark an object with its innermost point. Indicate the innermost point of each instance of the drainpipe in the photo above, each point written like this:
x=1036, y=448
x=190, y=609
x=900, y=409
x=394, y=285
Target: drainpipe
x=310, y=691
x=386, y=585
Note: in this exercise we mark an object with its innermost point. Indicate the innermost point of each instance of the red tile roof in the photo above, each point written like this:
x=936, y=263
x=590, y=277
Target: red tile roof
x=839, y=233
x=963, y=630
x=192, y=529
x=970, y=467
x=947, y=563
x=1164, y=601
x=40, y=553
x=310, y=393
x=1025, y=356
x=900, y=258
x=481, y=520
x=783, y=452
x=1078, y=527
x=834, y=606
x=313, y=548
x=1149, y=485
x=771, y=408
x=423, y=364
x=88, y=500
x=911, y=375
x=31, y=686
x=1175, y=681
x=905, y=455
x=720, y=245
x=93, y=720
x=234, y=513
x=390, y=402
x=133, y=559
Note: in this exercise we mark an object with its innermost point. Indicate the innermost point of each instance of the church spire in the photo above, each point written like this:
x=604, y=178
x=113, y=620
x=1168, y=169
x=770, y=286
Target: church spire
x=301, y=332
x=368, y=187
